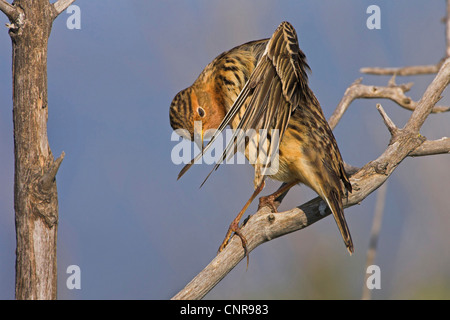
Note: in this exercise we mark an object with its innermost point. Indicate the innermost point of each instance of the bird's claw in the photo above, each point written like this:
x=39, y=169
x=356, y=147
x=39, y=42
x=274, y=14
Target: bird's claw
x=235, y=228
x=268, y=201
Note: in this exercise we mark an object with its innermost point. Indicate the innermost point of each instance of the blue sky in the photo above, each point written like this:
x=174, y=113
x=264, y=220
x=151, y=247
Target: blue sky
x=138, y=233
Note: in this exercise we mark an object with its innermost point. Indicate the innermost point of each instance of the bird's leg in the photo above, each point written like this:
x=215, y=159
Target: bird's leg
x=276, y=196
x=234, y=226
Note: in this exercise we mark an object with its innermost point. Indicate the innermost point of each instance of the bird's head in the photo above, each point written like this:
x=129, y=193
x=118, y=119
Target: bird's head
x=194, y=115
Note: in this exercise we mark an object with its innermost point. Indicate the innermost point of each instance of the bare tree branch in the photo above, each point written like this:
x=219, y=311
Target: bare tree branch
x=447, y=30
x=48, y=178
x=431, y=147
x=394, y=92
x=403, y=71
x=61, y=5
x=387, y=121
x=8, y=9
x=433, y=95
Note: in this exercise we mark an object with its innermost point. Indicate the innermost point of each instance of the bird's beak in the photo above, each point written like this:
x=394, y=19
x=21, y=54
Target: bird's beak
x=198, y=139
x=203, y=145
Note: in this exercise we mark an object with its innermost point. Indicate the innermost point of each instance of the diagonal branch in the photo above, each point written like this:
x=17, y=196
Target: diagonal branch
x=431, y=95
x=403, y=71
x=61, y=5
x=387, y=121
x=8, y=9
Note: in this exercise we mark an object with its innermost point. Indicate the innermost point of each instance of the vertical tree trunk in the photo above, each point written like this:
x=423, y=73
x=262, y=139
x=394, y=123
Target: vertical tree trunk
x=35, y=195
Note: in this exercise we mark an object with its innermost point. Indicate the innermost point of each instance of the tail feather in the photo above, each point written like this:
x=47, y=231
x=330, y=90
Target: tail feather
x=335, y=203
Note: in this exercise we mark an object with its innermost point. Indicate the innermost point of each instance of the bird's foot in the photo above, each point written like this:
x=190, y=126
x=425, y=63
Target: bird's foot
x=234, y=227
x=268, y=201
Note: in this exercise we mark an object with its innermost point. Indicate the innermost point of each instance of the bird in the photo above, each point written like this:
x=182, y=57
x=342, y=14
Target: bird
x=263, y=85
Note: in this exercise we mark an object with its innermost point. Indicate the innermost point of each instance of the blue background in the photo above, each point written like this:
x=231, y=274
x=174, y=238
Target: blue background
x=138, y=233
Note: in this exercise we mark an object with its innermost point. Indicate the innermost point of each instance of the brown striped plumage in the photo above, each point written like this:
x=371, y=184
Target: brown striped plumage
x=264, y=85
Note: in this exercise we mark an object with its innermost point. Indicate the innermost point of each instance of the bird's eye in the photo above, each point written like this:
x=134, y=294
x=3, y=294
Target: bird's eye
x=201, y=112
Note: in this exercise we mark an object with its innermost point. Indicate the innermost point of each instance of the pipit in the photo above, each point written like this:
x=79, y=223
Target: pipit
x=263, y=85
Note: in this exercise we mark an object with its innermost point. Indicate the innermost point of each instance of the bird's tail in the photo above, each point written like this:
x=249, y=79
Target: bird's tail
x=334, y=201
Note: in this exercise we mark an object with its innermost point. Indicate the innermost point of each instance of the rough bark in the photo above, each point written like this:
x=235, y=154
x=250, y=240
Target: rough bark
x=36, y=205
x=35, y=194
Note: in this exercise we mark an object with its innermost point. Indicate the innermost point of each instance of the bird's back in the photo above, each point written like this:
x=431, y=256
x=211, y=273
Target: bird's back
x=229, y=72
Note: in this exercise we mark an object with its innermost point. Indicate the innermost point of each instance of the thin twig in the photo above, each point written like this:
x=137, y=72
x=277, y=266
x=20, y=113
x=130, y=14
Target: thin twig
x=374, y=235
x=393, y=92
x=61, y=5
x=403, y=71
x=387, y=121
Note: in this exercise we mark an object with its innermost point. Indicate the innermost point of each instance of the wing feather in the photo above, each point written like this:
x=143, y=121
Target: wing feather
x=275, y=88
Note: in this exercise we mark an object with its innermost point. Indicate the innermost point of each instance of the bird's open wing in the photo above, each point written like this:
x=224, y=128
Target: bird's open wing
x=275, y=88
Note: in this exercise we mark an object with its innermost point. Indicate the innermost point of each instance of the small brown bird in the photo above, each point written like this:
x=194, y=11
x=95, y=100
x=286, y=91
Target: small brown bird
x=264, y=85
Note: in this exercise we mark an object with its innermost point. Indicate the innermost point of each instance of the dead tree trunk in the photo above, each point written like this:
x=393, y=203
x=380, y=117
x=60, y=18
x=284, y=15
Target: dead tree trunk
x=35, y=194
